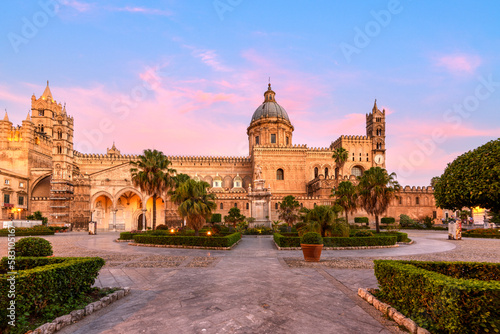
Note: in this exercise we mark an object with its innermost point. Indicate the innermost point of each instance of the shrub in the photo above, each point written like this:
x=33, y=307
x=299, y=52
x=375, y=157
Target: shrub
x=428, y=223
x=443, y=297
x=33, y=247
x=129, y=235
x=361, y=220
x=406, y=221
x=259, y=230
x=387, y=220
x=340, y=230
x=363, y=234
x=37, y=215
x=482, y=233
x=216, y=218
x=286, y=241
x=360, y=241
x=401, y=237
x=45, y=282
x=162, y=227
x=28, y=231
x=187, y=240
x=358, y=227
x=311, y=238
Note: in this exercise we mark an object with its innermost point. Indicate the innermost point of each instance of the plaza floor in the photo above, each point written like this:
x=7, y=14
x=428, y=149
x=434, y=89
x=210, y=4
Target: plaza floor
x=253, y=288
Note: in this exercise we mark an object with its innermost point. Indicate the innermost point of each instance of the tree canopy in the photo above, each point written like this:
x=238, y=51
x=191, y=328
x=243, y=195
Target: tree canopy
x=234, y=216
x=288, y=210
x=472, y=179
x=346, y=196
x=340, y=155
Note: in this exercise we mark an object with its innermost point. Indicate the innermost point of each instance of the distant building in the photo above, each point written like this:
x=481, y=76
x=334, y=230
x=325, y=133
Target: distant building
x=40, y=170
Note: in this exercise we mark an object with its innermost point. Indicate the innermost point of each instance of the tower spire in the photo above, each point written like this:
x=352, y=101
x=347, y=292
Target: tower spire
x=6, y=117
x=47, y=91
x=375, y=105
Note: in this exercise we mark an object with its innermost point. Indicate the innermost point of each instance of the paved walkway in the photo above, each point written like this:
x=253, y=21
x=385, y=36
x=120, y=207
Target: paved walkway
x=253, y=288
x=247, y=290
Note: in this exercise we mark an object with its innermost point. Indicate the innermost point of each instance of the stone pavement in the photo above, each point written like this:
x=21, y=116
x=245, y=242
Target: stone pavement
x=250, y=289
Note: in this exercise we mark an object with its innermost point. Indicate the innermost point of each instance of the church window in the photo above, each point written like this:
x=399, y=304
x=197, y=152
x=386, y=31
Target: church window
x=275, y=206
x=20, y=200
x=280, y=174
x=273, y=138
x=434, y=214
x=316, y=172
x=217, y=183
x=287, y=141
x=21, y=184
x=326, y=172
x=6, y=198
x=40, y=128
x=40, y=113
x=59, y=134
x=400, y=201
x=314, y=204
x=356, y=171
x=248, y=205
x=7, y=181
x=235, y=205
x=301, y=205
x=222, y=206
x=417, y=201
x=257, y=142
x=59, y=149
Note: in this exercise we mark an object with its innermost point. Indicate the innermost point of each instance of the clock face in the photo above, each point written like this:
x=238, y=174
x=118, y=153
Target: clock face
x=379, y=159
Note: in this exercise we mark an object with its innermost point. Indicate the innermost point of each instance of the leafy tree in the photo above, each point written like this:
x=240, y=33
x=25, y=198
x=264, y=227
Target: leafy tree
x=195, y=204
x=346, y=197
x=434, y=180
x=180, y=178
x=37, y=215
x=322, y=217
x=340, y=155
x=234, y=216
x=376, y=189
x=152, y=175
x=463, y=214
x=288, y=210
x=494, y=217
x=472, y=179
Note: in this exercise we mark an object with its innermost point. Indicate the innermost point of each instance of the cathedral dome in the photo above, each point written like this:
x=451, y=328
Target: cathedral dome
x=269, y=108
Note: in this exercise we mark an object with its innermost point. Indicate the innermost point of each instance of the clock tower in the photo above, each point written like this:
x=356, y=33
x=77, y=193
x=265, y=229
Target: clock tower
x=375, y=130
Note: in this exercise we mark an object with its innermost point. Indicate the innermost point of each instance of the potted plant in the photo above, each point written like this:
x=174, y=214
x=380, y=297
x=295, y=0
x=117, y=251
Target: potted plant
x=312, y=245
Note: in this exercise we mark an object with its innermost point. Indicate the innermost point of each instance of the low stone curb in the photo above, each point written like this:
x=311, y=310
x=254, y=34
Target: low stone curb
x=391, y=312
x=118, y=240
x=189, y=247
x=406, y=243
x=336, y=248
x=77, y=315
x=268, y=236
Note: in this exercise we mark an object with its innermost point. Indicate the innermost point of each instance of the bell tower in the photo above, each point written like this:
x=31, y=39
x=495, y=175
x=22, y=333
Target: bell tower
x=375, y=130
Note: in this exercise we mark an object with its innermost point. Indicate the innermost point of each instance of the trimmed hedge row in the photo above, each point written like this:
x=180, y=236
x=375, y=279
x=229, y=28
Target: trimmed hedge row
x=128, y=235
x=482, y=233
x=45, y=281
x=401, y=236
x=183, y=240
x=442, y=303
x=28, y=231
x=286, y=241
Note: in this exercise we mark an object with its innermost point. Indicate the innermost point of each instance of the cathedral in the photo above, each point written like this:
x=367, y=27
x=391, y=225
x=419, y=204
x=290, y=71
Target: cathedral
x=40, y=171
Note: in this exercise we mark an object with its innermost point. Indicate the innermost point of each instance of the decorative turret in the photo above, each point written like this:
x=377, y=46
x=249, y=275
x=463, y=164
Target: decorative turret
x=270, y=124
x=6, y=117
x=375, y=129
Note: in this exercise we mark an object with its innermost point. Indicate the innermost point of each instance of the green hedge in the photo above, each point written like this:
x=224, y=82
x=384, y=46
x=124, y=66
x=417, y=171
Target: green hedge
x=45, y=281
x=183, y=240
x=401, y=236
x=387, y=220
x=286, y=241
x=216, y=218
x=28, y=231
x=128, y=235
x=361, y=220
x=482, y=233
x=464, y=302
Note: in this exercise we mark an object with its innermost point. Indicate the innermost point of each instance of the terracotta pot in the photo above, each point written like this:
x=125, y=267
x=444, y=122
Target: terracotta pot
x=312, y=253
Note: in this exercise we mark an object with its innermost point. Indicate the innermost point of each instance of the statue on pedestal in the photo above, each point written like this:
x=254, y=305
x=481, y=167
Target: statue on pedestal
x=258, y=173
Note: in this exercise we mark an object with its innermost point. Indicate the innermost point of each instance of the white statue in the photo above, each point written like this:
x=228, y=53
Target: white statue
x=258, y=173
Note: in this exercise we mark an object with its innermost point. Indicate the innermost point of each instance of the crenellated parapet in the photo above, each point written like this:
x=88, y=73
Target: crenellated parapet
x=349, y=139
x=418, y=189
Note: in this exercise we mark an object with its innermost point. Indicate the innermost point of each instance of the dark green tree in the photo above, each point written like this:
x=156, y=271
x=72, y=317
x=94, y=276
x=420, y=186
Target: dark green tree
x=376, y=189
x=340, y=155
x=325, y=217
x=472, y=179
x=152, y=175
x=287, y=210
x=37, y=215
x=234, y=216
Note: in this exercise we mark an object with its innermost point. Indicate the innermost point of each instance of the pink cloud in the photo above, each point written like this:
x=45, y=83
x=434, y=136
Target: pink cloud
x=142, y=10
x=459, y=64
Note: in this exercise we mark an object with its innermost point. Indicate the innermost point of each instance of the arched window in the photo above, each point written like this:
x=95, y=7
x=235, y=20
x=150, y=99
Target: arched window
x=59, y=134
x=275, y=206
x=248, y=205
x=273, y=138
x=316, y=172
x=59, y=149
x=326, y=172
x=417, y=200
x=356, y=171
x=401, y=201
x=235, y=205
x=287, y=140
x=257, y=142
x=280, y=174
x=301, y=205
x=222, y=206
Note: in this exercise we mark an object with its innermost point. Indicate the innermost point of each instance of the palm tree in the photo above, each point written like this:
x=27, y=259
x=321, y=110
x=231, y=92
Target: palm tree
x=340, y=155
x=376, y=189
x=179, y=179
x=152, y=175
x=324, y=216
x=195, y=204
x=288, y=210
x=346, y=197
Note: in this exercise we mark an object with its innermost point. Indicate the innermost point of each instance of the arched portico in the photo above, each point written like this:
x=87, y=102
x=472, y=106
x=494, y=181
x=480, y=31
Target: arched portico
x=128, y=205
x=102, y=210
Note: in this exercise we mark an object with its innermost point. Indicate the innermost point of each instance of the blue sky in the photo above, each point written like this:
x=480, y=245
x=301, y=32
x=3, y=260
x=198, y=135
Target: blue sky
x=186, y=76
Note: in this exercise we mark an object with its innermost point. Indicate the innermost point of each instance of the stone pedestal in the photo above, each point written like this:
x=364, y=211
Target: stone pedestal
x=260, y=208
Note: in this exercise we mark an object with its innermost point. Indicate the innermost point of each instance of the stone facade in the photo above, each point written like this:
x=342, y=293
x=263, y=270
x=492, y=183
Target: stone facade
x=71, y=187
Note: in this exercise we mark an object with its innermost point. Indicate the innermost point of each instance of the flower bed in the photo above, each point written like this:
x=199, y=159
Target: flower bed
x=333, y=242
x=482, y=233
x=43, y=282
x=27, y=231
x=183, y=240
x=443, y=297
